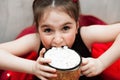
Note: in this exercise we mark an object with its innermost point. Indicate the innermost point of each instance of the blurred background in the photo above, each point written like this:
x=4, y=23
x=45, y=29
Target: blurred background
x=15, y=15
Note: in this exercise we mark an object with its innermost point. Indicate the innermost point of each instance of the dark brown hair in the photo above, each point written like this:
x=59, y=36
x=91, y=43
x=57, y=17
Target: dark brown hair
x=70, y=7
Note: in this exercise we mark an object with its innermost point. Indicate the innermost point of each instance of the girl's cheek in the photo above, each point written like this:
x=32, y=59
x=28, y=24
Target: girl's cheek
x=70, y=40
x=46, y=41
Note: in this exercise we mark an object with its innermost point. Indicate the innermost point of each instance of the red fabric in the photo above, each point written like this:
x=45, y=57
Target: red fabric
x=86, y=20
x=28, y=30
x=111, y=73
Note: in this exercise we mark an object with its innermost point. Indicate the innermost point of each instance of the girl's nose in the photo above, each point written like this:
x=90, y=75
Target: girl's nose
x=58, y=40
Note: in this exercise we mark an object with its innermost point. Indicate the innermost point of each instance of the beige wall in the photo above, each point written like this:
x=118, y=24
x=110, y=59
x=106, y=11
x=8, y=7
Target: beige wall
x=17, y=14
x=107, y=10
x=14, y=16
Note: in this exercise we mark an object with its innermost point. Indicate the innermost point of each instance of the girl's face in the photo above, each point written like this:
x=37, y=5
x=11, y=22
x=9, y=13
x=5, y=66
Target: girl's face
x=57, y=29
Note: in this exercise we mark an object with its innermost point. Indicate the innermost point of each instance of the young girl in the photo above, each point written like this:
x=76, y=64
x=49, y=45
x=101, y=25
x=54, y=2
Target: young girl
x=57, y=23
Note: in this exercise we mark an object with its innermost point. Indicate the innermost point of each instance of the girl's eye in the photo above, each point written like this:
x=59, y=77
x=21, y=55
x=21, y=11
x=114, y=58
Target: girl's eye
x=65, y=28
x=47, y=30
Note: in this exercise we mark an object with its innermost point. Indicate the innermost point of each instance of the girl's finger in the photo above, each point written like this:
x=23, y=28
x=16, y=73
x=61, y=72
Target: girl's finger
x=47, y=75
x=47, y=69
x=89, y=75
x=42, y=52
x=84, y=65
x=84, y=61
x=43, y=60
x=86, y=72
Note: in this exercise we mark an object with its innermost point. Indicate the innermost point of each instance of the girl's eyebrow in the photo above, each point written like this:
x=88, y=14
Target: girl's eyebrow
x=66, y=24
x=45, y=25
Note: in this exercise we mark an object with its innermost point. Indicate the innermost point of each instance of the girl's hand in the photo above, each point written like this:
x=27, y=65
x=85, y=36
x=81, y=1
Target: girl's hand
x=91, y=67
x=41, y=70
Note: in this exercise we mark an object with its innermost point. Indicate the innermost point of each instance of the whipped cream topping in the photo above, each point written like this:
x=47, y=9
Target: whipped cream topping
x=63, y=58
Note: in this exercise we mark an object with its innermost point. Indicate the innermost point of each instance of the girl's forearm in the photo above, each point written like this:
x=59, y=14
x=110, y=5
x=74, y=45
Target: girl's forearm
x=11, y=62
x=112, y=54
